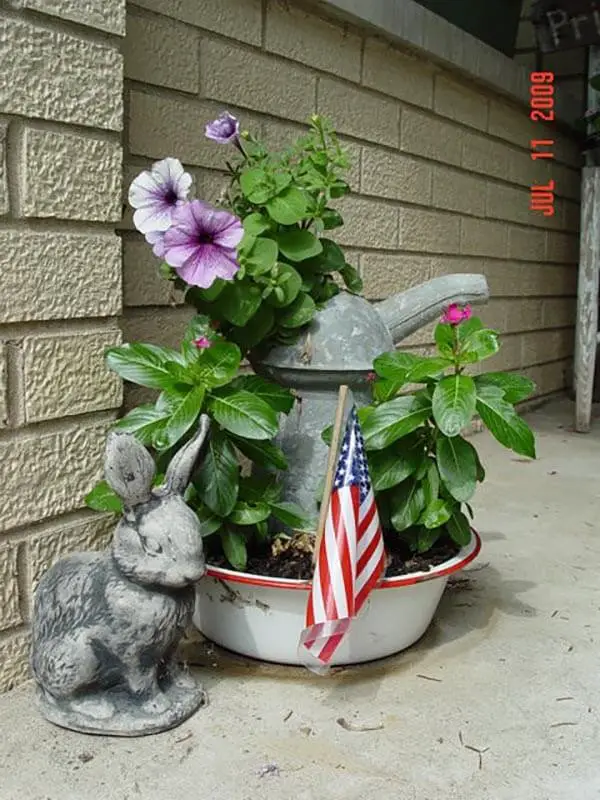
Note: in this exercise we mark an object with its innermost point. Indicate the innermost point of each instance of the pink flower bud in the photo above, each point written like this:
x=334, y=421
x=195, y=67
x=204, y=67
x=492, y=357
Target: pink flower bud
x=202, y=343
x=371, y=377
x=454, y=314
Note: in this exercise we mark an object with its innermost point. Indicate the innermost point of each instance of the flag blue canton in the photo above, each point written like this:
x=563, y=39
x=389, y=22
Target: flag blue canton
x=352, y=462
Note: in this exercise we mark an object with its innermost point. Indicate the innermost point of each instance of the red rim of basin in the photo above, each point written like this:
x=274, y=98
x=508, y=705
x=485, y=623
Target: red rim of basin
x=464, y=557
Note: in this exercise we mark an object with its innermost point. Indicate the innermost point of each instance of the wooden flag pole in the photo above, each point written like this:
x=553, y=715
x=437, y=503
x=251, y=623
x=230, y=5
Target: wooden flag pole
x=331, y=464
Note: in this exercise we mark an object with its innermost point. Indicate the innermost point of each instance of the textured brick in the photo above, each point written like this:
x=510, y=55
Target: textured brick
x=70, y=177
x=358, y=112
x=47, y=548
x=484, y=155
x=570, y=214
x=523, y=314
x=59, y=275
x=388, y=70
x=152, y=57
x=292, y=33
x=46, y=474
x=145, y=325
x=525, y=171
x=539, y=347
x=395, y=176
x=10, y=614
x=3, y=172
x=509, y=355
x=559, y=312
x=479, y=237
x=142, y=283
x=509, y=279
x=457, y=191
x=430, y=137
x=568, y=181
x=105, y=16
x=459, y=103
x=368, y=223
x=513, y=124
x=14, y=660
x=384, y=275
x=238, y=19
x=53, y=75
x=3, y=387
x=67, y=374
x=506, y=202
x=562, y=247
x=269, y=84
x=428, y=231
x=526, y=244
x=548, y=378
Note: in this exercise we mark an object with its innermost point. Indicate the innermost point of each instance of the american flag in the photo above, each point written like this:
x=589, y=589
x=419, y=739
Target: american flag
x=350, y=560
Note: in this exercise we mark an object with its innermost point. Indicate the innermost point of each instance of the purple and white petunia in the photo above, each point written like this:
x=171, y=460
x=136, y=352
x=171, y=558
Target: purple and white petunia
x=224, y=129
x=157, y=240
x=201, y=244
x=156, y=193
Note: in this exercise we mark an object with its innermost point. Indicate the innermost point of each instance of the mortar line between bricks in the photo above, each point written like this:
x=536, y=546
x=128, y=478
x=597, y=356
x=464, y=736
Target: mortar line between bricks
x=79, y=227
x=53, y=524
x=62, y=328
x=58, y=426
x=24, y=581
x=69, y=129
x=13, y=633
x=16, y=386
x=72, y=28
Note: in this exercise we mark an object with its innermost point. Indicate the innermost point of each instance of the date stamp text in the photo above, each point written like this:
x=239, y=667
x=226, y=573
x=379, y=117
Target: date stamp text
x=541, y=101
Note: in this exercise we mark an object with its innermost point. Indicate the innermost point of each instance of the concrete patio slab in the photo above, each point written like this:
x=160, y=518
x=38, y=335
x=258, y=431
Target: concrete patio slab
x=499, y=701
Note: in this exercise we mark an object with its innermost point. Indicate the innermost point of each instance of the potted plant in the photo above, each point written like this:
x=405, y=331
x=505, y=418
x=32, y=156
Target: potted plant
x=262, y=273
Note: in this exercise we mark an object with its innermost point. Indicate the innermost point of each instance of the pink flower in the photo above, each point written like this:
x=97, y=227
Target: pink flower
x=371, y=377
x=202, y=342
x=156, y=193
x=201, y=244
x=454, y=314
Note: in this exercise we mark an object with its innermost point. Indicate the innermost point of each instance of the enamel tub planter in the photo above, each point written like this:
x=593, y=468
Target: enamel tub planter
x=263, y=617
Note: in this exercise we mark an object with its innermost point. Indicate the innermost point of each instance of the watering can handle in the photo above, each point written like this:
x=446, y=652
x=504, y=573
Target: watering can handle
x=408, y=311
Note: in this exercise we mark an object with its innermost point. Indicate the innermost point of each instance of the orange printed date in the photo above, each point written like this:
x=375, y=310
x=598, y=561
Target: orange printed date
x=541, y=101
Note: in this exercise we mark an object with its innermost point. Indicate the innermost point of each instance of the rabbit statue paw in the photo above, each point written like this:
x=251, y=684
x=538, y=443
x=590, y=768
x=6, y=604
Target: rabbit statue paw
x=106, y=625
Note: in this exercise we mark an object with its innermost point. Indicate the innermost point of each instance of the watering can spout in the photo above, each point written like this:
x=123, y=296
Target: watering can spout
x=408, y=311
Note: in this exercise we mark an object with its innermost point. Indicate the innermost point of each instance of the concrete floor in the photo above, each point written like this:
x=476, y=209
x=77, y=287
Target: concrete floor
x=500, y=700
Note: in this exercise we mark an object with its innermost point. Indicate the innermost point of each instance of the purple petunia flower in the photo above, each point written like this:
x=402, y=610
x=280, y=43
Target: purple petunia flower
x=156, y=193
x=201, y=244
x=157, y=240
x=224, y=129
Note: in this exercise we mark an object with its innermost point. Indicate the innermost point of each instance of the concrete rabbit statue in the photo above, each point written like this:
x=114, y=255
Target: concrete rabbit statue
x=106, y=625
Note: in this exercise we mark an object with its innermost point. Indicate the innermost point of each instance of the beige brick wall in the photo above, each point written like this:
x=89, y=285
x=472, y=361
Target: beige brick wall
x=441, y=170
x=61, y=117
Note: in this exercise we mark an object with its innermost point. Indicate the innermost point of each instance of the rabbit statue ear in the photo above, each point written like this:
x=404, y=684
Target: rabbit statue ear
x=129, y=468
x=180, y=469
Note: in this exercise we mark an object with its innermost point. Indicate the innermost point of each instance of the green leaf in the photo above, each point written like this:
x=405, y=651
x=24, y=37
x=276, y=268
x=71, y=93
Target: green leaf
x=287, y=208
x=209, y=522
x=103, y=498
x=332, y=256
x=457, y=463
x=465, y=329
x=351, y=279
x=407, y=503
x=240, y=301
x=288, y=283
x=327, y=435
x=453, y=403
x=256, y=186
x=594, y=82
x=332, y=219
x=425, y=368
x=186, y=409
x=147, y=365
x=426, y=538
x=431, y=483
x=395, y=464
x=249, y=513
x=444, y=339
x=395, y=366
x=292, y=515
x=264, y=453
x=298, y=245
x=255, y=330
x=217, y=480
x=393, y=420
x=234, y=547
x=480, y=469
x=299, y=312
x=479, y=345
x=385, y=389
x=243, y=414
x=436, y=514
x=260, y=258
x=459, y=529
x=279, y=398
x=339, y=189
x=144, y=422
x=210, y=294
x=503, y=422
x=255, y=488
x=218, y=364
x=255, y=224
x=515, y=387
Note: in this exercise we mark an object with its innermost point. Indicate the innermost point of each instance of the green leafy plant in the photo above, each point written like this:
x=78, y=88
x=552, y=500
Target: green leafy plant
x=424, y=471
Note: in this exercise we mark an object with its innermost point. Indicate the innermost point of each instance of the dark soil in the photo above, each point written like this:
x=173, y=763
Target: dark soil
x=297, y=562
